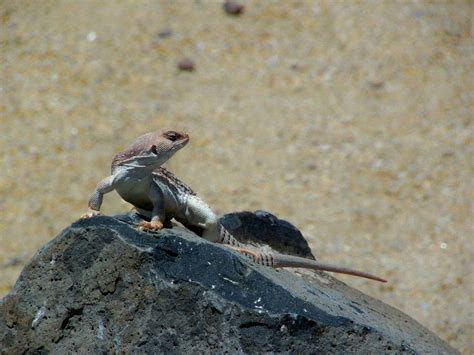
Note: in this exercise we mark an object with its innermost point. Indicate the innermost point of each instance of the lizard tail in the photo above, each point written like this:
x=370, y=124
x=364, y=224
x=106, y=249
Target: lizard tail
x=227, y=239
x=279, y=260
x=294, y=261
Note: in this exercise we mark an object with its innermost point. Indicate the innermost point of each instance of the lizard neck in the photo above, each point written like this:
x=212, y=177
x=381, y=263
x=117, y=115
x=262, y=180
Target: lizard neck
x=133, y=170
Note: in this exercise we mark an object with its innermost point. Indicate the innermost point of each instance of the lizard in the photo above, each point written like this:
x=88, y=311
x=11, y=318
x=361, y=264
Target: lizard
x=138, y=176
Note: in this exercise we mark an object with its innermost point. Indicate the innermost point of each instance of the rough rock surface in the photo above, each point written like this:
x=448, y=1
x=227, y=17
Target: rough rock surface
x=102, y=286
x=262, y=228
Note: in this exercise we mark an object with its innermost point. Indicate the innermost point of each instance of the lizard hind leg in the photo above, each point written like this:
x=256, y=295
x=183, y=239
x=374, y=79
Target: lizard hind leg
x=199, y=214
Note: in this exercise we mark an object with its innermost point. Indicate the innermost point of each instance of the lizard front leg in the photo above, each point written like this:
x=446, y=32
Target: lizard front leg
x=158, y=213
x=104, y=186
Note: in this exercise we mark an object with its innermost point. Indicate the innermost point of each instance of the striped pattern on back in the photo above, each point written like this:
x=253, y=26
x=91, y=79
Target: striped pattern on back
x=173, y=180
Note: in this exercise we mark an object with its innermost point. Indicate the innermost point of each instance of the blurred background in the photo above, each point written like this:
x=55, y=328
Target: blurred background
x=352, y=120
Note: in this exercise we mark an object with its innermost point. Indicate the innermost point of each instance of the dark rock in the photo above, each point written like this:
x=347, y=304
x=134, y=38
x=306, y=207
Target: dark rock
x=101, y=287
x=263, y=228
x=165, y=33
x=376, y=84
x=233, y=7
x=296, y=67
x=186, y=64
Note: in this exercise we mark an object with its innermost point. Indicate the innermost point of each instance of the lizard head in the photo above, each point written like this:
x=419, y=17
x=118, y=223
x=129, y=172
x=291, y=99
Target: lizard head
x=152, y=149
x=165, y=143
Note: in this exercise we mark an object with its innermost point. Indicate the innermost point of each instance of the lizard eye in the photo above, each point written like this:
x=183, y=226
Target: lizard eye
x=172, y=136
x=153, y=150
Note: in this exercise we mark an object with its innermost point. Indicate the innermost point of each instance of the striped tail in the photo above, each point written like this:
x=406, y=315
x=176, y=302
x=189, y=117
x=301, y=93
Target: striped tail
x=279, y=260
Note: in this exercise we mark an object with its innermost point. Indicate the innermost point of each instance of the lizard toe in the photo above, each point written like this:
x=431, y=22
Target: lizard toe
x=152, y=226
x=90, y=214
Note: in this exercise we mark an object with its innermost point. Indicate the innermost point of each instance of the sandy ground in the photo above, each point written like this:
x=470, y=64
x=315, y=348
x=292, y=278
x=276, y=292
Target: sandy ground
x=351, y=120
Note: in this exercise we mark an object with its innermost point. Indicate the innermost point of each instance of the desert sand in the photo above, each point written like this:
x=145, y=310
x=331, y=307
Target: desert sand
x=352, y=120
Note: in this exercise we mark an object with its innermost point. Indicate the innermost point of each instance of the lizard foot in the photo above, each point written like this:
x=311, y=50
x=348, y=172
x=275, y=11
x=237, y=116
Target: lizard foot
x=152, y=226
x=91, y=213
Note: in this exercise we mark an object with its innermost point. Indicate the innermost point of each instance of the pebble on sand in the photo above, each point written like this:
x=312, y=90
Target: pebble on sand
x=233, y=8
x=186, y=64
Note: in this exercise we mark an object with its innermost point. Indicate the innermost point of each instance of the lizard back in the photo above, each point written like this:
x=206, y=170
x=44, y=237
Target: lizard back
x=173, y=180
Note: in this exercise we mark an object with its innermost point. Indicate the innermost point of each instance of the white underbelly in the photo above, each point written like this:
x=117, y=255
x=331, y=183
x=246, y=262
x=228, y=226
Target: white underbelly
x=136, y=192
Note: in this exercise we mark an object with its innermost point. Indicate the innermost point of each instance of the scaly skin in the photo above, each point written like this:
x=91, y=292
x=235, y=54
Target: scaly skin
x=156, y=193
x=133, y=168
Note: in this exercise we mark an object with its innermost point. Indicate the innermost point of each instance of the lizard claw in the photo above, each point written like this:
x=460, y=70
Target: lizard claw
x=91, y=213
x=152, y=226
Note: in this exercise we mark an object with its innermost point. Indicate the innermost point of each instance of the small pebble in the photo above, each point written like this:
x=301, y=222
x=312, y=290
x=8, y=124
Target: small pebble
x=91, y=36
x=296, y=67
x=376, y=85
x=233, y=8
x=186, y=64
x=13, y=262
x=165, y=33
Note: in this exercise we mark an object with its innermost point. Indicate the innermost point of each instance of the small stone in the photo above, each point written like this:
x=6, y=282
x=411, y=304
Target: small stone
x=296, y=67
x=233, y=8
x=186, y=64
x=376, y=84
x=91, y=36
x=165, y=33
x=13, y=261
x=418, y=13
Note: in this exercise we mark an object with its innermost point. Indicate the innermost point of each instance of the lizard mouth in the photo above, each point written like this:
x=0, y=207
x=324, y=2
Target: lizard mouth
x=181, y=143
